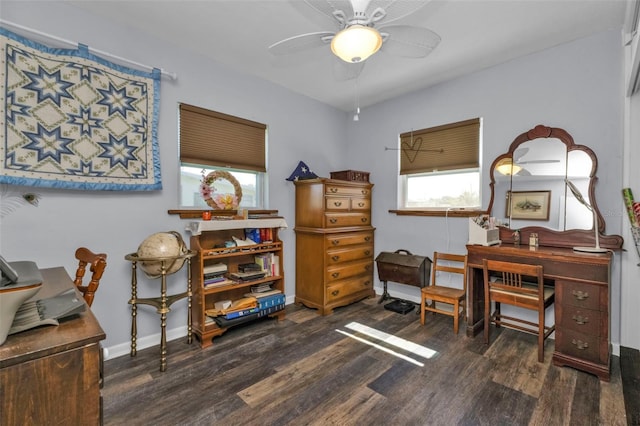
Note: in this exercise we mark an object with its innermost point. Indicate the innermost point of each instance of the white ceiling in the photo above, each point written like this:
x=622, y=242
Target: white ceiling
x=475, y=34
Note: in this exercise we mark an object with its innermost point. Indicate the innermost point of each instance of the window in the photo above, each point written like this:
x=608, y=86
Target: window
x=212, y=141
x=439, y=167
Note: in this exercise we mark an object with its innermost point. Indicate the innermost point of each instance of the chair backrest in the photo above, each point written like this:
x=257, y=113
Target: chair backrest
x=452, y=263
x=97, y=263
x=510, y=276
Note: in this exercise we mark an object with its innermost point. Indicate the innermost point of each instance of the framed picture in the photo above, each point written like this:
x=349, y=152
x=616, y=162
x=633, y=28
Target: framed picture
x=530, y=205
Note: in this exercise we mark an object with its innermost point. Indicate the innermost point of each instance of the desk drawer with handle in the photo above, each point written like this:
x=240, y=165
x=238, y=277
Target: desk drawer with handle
x=351, y=269
x=348, y=254
x=584, y=296
x=348, y=287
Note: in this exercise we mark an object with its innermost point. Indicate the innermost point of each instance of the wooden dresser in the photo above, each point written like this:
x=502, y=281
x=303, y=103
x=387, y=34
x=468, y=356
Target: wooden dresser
x=52, y=375
x=334, y=243
x=582, y=285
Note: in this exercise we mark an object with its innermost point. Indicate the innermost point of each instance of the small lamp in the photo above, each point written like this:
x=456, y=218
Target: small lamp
x=576, y=193
x=356, y=43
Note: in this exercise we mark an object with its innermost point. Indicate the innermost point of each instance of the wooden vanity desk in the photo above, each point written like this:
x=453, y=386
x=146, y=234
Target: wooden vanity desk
x=582, y=285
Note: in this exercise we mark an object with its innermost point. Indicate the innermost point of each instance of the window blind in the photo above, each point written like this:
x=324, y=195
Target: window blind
x=220, y=140
x=447, y=147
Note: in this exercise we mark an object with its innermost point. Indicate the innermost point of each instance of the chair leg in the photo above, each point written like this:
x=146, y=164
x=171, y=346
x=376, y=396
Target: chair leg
x=487, y=319
x=456, y=316
x=541, y=335
x=423, y=301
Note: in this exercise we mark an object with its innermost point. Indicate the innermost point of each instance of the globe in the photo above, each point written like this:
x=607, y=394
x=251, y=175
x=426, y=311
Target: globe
x=162, y=245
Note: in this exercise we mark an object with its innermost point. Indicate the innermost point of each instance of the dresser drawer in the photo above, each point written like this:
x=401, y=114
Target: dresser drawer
x=347, y=190
x=339, y=220
x=346, y=288
x=346, y=270
x=360, y=204
x=348, y=254
x=586, y=321
x=337, y=203
x=584, y=296
x=350, y=238
x=580, y=345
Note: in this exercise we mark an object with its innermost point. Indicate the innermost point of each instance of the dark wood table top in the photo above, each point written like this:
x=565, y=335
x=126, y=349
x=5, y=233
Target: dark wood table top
x=45, y=340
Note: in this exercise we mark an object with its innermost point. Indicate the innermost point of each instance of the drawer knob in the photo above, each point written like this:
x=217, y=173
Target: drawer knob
x=335, y=274
x=335, y=258
x=367, y=252
x=367, y=239
x=580, y=344
x=337, y=203
x=334, y=190
x=580, y=295
x=335, y=242
x=335, y=292
x=366, y=283
x=364, y=192
x=580, y=319
x=333, y=220
x=367, y=267
x=360, y=204
x=363, y=220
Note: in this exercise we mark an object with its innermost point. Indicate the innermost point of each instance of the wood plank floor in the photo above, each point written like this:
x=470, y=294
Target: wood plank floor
x=347, y=369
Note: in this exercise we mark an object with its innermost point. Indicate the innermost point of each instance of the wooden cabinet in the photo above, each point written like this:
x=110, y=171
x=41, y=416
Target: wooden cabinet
x=208, y=239
x=53, y=374
x=334, y=243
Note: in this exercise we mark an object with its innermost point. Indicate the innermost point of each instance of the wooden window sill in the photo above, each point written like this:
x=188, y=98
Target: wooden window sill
x=440, y=213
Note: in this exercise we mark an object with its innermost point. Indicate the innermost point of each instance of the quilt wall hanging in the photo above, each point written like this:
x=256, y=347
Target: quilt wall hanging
x=73, y=120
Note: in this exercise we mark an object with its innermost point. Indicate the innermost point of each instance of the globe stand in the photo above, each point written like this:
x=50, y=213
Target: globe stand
x=162, y=303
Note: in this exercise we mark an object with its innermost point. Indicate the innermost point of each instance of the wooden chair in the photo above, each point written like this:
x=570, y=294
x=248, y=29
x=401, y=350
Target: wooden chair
x=510, y=286
x=457, y=264
x=97, y=263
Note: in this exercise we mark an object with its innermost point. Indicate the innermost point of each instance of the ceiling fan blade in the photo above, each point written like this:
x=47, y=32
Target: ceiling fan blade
x=343, y=71
x=408, y=41
x=329, y=7
x=396, y=9
x=301, y=42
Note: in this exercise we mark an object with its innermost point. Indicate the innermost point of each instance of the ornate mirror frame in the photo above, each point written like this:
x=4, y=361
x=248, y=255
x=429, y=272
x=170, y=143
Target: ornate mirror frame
x=547, y=236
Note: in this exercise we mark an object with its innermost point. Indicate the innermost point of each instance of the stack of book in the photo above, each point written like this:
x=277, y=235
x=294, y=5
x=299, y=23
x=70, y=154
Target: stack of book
x=215, y=275
x=269, y=300
x=240, y=311
x=269, y=263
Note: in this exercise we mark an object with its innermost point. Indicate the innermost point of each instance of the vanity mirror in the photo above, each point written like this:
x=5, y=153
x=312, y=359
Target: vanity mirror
x=529, y=191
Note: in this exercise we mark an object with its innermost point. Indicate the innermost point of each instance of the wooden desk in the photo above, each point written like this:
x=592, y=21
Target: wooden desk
x=53, y=374
x=582, y=283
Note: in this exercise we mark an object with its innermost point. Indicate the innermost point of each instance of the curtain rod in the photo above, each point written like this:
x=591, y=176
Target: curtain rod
x=171, y=75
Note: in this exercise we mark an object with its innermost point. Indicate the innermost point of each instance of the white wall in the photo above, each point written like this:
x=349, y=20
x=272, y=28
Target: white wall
x=116, y=222
x=577, y=86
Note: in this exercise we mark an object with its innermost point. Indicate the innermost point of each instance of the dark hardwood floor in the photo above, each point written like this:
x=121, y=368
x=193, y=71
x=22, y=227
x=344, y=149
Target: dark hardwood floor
x=313, y=370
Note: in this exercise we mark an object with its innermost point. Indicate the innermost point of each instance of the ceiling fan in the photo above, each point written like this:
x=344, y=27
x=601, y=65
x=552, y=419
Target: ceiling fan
x=361, y=30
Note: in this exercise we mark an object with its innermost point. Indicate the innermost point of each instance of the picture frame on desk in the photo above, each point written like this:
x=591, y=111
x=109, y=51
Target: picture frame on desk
x=528, y=205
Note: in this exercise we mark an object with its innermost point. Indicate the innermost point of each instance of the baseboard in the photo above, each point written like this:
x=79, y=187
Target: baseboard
x=152, y=340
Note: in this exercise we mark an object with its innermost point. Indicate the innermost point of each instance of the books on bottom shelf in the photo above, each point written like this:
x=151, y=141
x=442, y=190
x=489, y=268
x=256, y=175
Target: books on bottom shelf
x=270, y=310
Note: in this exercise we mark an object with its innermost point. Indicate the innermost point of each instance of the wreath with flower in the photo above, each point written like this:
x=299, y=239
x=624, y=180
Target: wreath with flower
x=220, y=201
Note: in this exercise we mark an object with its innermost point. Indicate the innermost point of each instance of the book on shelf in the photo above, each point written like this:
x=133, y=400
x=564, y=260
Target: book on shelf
x=216, y=268
x=241, y=313
x=270, y=310
x=246, y=276
x=271, y=301
x=224, y=281
x=225, y=323
x=263, y=294
x=262, y=287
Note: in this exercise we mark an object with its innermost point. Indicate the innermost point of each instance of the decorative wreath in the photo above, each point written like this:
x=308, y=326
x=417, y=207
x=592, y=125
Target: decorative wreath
x=220, y=201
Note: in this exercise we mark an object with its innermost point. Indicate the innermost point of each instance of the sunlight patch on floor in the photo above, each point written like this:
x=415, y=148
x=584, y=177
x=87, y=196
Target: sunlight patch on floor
x=389, y=340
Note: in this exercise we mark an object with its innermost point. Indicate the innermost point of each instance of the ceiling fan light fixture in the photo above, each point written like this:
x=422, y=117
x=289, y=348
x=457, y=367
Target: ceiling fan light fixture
x=507, y=168
x=356, y=43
